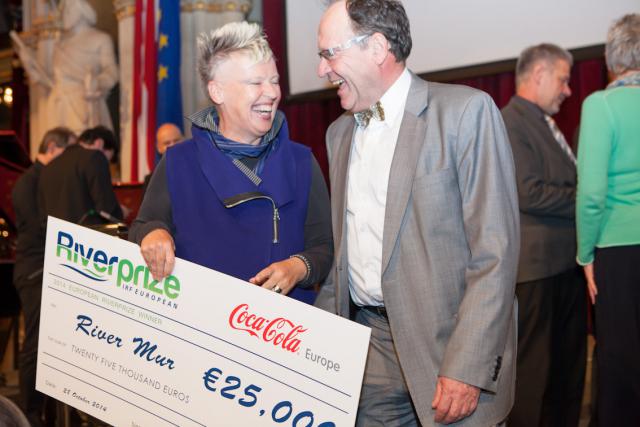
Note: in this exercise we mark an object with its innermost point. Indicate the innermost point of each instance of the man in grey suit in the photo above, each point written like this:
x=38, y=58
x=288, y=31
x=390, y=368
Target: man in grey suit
x=551, y=293
x=425, y=221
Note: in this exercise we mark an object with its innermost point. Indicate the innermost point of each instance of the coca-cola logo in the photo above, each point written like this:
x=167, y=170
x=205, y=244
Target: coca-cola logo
x=280, y=332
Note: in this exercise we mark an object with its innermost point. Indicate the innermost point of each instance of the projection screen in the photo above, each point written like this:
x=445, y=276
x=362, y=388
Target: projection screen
x=449, y=34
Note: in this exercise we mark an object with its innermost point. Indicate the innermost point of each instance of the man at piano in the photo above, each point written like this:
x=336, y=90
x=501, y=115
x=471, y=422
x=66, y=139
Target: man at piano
x=27, y=273
x=76, y=187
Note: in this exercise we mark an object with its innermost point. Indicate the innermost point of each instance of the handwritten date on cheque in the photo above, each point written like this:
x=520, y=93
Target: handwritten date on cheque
x=81, y=398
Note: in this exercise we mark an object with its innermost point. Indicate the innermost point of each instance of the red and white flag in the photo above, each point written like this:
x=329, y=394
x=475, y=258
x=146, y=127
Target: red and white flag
x=144, y=89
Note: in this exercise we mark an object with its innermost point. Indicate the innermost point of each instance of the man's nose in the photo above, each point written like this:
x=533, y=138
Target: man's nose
x=323, y=67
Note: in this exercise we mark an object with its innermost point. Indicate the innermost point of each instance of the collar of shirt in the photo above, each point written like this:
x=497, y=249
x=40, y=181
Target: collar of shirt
x=393, y=101
x=372, y=150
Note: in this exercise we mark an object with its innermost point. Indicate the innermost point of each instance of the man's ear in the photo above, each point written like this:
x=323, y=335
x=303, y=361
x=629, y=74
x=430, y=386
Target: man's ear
x=538, y=72
x=98, y=144
x=380, y=47
x=51, y=147
x=215, y=92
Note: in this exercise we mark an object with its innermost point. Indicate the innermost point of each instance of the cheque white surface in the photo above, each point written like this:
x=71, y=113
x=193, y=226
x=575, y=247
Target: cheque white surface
x=199, y=348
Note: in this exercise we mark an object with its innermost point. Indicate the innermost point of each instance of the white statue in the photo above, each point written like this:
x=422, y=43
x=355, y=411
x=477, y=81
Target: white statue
x=83, y=71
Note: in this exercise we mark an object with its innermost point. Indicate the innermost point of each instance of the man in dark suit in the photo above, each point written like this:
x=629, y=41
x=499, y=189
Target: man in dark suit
x=27, y=273
x=551, y=293
x=77, y=186
x=425, y=225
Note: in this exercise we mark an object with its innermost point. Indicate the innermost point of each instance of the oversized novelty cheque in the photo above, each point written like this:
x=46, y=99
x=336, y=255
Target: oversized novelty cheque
x=198, y=348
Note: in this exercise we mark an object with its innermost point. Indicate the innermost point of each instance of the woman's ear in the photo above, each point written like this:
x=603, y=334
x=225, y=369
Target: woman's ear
x=215, y=92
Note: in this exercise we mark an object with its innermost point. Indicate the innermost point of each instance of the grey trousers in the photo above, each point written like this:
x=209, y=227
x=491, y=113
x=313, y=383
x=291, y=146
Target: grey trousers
x=384, y=399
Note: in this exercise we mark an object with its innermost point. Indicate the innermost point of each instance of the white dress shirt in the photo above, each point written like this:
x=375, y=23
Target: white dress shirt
x=369, y=165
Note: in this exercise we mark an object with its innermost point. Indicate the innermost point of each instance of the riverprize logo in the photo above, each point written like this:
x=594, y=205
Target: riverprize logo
x=89, y=262
x=280, y=332
x=96, y=265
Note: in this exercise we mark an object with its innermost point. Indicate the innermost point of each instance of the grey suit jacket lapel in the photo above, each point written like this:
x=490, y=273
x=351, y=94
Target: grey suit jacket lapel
x=339, y=187
x=403, y=167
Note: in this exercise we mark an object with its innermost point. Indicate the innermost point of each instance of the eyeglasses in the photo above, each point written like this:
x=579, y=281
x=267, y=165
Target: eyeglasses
x=330, y=53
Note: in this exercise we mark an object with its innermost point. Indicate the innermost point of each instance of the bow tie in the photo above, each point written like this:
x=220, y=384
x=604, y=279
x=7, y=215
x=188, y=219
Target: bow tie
x=364, y=117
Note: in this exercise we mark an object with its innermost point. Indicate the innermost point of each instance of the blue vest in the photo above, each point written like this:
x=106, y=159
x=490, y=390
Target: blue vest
x=238, y=240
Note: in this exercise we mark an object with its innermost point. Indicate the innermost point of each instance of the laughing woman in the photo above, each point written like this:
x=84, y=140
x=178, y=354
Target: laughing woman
x=239, y=197
x=608, y=222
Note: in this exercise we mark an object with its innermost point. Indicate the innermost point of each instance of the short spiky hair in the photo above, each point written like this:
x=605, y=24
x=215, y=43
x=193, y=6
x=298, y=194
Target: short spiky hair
x=216, y=46
x=546, y=52
x=622, y=50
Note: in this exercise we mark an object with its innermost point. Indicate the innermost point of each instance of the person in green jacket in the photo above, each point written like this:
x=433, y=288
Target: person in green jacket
x=608, y=223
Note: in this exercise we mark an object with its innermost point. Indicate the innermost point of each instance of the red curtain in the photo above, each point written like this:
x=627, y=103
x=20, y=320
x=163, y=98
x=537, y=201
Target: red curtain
x=308, y=120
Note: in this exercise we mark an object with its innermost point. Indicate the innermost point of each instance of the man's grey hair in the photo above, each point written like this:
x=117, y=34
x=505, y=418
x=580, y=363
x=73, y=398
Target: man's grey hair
x=545, y=52
x=59, y=136
x=386, y=17
x=622, y=50
x=215, y=47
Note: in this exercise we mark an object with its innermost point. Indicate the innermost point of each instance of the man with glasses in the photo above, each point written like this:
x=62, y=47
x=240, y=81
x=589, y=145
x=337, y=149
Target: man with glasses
x=425, y=219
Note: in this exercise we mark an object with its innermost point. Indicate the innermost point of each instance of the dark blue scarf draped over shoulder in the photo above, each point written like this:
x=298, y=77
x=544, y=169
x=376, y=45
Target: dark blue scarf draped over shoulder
x=208, y=119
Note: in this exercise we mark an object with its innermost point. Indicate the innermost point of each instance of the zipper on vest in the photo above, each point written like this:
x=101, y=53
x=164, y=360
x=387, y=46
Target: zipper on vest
x=276, y=220
x=241, y=198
